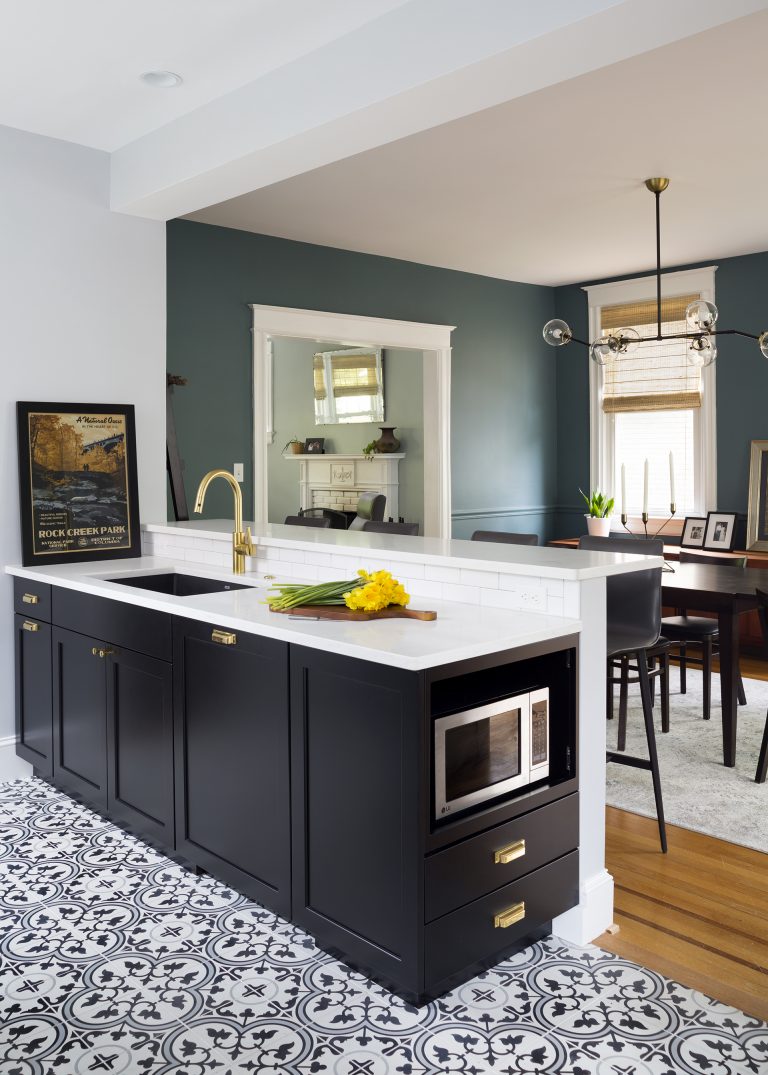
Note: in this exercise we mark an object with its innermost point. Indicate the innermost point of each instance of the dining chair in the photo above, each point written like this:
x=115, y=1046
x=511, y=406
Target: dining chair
x=633, y=611
x=339, y=520
x=303, y=520
x=370, y=509
x=410, y=529
x=702, y=632
x=505, y=536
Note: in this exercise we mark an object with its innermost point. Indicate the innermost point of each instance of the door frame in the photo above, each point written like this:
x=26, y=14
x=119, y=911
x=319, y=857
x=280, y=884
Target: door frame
x=434, y=341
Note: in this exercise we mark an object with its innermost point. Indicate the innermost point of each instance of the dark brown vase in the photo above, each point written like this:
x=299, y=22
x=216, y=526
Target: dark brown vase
x=387, y=442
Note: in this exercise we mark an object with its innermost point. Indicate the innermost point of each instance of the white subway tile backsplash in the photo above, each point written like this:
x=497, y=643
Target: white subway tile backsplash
x=515, y=582
x=486, y=579
x=292, y=556
x=554, y=587
x=319, y=559
x=555, y=606
x=500, y=599
x=468, y=595
x=442, y=574
x=422, y=588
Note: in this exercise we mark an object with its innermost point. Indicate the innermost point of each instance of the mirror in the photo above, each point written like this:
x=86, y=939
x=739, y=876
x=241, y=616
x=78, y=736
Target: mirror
x=341, y=386
x=348, y=385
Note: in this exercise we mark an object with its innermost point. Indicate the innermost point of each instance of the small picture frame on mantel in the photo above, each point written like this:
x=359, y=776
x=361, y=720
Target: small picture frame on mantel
x=314, y=446
x=720, y=534
x=693, y=532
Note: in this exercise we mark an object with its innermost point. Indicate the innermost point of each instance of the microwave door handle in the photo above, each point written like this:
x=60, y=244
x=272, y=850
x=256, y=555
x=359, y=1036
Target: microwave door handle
x=525, y=737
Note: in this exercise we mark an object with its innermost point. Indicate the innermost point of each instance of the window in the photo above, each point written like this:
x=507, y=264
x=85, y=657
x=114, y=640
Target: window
x=652, y=401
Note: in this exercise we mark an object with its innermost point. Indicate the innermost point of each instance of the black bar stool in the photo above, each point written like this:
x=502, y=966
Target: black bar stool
x=633, y=629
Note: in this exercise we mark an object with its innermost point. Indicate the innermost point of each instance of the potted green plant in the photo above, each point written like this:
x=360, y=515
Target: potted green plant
x=296, y=446
x=370, y=449
x=599, y=514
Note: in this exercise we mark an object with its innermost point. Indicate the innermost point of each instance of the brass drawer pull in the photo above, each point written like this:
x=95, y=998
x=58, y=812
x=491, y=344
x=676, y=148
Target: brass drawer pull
x=28, y=625
x=31, y=599
x=97, y=652
x=225, y=638
x=510, y=853
x=508, y=918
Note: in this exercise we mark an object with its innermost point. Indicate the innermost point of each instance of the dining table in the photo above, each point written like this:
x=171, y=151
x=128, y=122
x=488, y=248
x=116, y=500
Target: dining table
x=726, y=591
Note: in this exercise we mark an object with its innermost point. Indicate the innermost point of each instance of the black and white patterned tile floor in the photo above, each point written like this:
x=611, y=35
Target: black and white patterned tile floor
x=114, y=959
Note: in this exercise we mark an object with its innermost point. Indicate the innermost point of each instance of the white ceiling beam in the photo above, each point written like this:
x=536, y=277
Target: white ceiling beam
x=421, y=65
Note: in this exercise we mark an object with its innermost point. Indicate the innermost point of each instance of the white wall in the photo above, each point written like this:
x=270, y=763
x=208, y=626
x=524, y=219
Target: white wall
x=82, y=318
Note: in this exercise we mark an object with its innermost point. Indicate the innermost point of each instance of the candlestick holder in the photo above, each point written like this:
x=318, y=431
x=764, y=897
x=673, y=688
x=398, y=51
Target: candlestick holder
x=644, y=518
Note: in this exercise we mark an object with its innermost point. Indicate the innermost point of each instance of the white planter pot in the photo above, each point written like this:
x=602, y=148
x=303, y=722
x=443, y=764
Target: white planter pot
x=598, y=527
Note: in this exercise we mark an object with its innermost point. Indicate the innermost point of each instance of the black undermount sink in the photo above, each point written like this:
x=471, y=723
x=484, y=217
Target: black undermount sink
x=178, y=585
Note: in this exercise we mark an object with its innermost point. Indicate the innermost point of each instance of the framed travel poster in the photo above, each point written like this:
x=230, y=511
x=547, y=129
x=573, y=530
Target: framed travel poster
x=78, y=486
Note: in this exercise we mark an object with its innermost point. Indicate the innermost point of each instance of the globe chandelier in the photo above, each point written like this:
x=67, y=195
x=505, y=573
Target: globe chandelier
x=700, y=317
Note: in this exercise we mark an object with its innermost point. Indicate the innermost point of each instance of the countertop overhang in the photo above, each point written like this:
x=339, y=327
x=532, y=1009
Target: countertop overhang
x=536, y=560
x=460, y=632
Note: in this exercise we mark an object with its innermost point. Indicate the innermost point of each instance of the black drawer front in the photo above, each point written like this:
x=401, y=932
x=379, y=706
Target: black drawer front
x=468, y=870
x=469, y=935
x=32, y=599
x=140, y=629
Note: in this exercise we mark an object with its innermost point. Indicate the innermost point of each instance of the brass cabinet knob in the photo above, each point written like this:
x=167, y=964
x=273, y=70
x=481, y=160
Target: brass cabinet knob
x=510, y=916
x=224, y=638
x=510, y=853
x=31, y=599
x=29, y=625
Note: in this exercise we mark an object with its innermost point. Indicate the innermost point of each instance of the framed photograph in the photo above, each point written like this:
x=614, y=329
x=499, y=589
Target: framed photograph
x=757, y=518
x=693, y=532
x=78, y=487
x=721, y=531
x=314, y=445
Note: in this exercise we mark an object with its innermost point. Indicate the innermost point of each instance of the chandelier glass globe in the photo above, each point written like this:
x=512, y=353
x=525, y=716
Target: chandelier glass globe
x=702, y=352
x=602, y=349
x=763, y=341
x=557, y=332
x=628, y=339
x=701, y=315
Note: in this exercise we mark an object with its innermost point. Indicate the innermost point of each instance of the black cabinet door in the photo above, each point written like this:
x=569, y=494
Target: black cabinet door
x=34, y=710
x=140, y=743
x=232, y=759
x=79, y=715
x=359, y=811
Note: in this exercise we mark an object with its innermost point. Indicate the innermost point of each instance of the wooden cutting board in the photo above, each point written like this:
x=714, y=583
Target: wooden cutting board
x=340, y=612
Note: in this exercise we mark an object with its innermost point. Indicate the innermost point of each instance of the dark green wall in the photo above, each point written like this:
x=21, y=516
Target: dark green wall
x=741, y=293
x=503, y=415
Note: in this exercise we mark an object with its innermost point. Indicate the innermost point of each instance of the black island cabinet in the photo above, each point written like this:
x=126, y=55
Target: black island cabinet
x=306, y=779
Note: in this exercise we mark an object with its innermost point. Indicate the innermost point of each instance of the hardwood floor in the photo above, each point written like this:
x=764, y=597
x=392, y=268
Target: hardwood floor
x=698, y=914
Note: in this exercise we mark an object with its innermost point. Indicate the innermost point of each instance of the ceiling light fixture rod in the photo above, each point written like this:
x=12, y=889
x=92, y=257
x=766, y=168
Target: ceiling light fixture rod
x=700, y=316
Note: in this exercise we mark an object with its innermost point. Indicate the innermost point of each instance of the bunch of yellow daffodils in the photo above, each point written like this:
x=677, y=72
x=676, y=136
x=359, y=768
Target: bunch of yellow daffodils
x=377, y=590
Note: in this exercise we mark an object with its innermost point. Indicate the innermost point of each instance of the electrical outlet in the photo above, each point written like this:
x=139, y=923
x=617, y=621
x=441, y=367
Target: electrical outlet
x=238, y=471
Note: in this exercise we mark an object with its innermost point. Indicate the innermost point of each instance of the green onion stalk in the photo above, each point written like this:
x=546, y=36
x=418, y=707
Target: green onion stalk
x=291, y=595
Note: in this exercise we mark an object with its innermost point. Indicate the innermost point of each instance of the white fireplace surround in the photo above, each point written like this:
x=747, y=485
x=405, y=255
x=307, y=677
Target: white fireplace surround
x=336, y=481
x=434, y=343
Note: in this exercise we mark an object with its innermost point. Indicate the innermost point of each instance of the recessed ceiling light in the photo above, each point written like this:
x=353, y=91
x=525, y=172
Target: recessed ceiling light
x=162, y=80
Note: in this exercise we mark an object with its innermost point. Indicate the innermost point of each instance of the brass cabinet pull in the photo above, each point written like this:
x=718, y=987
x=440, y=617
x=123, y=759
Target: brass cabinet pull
x=509, y=917
x=510, y=853
x=31, y=599
x=98, y=652
x=95, y=650
x=28, y=625
x=225, y=638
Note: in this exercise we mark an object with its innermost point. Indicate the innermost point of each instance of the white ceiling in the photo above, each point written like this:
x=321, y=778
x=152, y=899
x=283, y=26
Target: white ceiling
x=547, y=188
x=70, y=68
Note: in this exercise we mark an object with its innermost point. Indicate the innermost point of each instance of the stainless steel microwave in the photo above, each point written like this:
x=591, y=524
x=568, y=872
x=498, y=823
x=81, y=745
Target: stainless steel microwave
x=491, y=750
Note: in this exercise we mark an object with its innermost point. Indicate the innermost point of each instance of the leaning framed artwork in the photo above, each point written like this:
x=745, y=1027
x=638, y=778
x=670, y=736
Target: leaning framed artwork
x=78, y=486
x=757, y=518
x=693, y=532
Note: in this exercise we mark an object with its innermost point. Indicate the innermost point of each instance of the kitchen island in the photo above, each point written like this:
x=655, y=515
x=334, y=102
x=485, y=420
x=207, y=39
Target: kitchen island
x=300, y=754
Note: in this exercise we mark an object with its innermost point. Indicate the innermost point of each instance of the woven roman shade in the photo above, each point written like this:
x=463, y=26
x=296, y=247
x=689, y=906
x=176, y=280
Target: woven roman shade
x=351, y=375
x=653, y=376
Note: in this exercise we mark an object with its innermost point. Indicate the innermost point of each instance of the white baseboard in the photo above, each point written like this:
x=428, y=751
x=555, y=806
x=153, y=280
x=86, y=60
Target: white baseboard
x=11, y=767
x=592, y=916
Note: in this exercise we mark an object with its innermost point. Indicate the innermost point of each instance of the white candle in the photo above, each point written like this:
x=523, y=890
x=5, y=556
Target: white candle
x=623, y=490
x=645, y=488
x=671, y=479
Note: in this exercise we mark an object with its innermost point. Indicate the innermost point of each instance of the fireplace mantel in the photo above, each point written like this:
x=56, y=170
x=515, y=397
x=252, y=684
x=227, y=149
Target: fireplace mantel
x=336, y=480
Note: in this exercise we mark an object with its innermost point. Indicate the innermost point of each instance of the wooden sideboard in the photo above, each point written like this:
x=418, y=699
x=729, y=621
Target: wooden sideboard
x=750, y=635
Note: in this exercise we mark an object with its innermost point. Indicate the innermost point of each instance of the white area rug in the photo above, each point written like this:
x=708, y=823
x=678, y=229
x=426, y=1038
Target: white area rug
x=699, y=792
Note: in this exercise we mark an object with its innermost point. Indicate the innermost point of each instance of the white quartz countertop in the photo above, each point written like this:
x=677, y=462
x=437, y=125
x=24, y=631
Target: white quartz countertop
x=534, y=560
x=460, y=631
